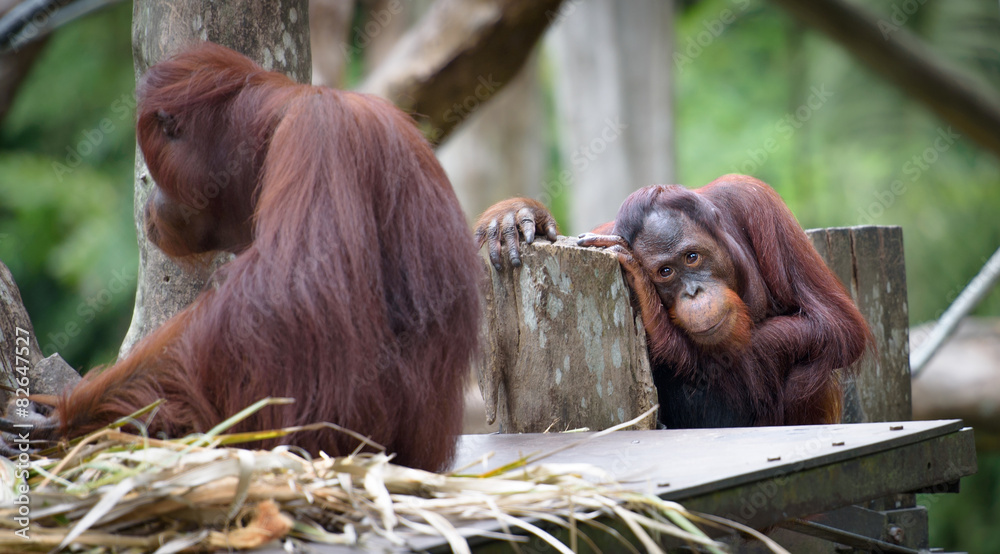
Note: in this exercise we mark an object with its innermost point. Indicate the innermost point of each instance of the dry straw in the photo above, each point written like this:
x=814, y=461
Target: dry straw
x=115, y=491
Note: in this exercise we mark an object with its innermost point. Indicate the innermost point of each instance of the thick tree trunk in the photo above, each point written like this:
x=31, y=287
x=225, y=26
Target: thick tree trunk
x=614, y=101
x=563, y=348
x=275, y=34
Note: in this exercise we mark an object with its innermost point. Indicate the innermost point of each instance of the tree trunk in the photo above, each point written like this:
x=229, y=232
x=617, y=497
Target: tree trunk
x=457, y=57
x=276, y=35
x=330, y=32
x=614, y=102
x=563, y=348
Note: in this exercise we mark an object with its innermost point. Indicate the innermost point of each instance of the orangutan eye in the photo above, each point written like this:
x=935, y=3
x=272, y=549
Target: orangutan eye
x=666, y=272
x=169, y=124
x=692, y=258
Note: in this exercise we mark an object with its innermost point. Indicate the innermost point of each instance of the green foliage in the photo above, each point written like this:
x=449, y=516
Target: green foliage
x=66, y=160
x=866, y=154
x=760, y=95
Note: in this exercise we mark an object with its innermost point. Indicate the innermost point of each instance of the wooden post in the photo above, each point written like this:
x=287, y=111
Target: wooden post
x=562, y=343
x=562, y=347
x=869, y=262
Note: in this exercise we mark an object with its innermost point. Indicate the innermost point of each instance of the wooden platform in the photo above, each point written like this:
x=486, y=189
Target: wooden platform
x=758, y=476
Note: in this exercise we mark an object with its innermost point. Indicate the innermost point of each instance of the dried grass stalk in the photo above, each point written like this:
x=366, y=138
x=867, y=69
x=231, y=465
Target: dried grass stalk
x=115, y=490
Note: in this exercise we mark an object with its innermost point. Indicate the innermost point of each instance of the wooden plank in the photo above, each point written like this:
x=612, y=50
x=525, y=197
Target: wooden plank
x=881, y=276
x=731, y=472
x=682, y=463
x=835, y=247
x=938, y=460
x=870, y=263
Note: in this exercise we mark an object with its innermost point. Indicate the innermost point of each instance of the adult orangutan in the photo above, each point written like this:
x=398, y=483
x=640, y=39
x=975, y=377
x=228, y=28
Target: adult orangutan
x=745, y=323
x=355, y=284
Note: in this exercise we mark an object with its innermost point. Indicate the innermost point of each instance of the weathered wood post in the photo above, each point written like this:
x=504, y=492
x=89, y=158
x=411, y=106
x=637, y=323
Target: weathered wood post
x=869, y=262
x=562, y=348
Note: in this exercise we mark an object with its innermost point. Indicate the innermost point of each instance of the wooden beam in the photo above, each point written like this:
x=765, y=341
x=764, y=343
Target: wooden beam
x=904, y=59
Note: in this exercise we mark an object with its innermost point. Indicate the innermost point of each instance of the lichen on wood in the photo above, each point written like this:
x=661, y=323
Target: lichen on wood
x=562, y=348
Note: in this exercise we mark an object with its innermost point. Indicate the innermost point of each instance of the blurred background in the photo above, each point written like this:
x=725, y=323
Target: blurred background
x=615, y=97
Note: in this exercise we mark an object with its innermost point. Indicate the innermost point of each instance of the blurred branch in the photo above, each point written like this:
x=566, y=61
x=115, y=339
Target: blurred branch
x=13, y=69
x=27, y=21
x=903, y=58
x=458, y=56
x=24, y=27
x=14, y=66
x=963, y=380
x=974, y=293
x=21, y=20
